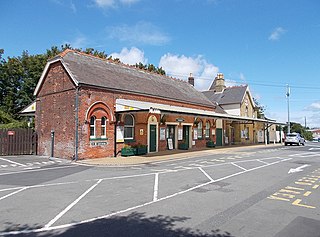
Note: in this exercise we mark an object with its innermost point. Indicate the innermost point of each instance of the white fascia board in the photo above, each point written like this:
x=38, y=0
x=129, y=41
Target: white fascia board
x=31, y=108
x=124, y=105
x=46, y=70
x=250, y=97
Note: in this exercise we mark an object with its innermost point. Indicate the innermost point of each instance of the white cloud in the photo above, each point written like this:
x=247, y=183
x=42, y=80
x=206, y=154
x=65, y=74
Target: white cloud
x=181, y=66
x=142, y=32
x=131, y=57
x=113, y=3
x=276, y=34
x=315, y=106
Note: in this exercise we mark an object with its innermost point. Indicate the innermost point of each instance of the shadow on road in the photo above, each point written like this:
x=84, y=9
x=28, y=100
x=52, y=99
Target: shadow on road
x=133, y=225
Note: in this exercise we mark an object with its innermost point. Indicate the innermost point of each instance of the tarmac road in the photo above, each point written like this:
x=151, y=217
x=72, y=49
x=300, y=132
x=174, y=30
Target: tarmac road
x=256, y=191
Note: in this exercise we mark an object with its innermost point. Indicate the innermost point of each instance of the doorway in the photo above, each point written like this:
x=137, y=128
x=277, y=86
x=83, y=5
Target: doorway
x=172, y=134
x=153, y=138
x=186, y=134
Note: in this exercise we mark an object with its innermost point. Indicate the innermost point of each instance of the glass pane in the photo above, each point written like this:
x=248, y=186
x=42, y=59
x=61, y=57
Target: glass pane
x=92, y=120
x=91, y=131
x=103, y=121
x=128, y=132
x=128, y=120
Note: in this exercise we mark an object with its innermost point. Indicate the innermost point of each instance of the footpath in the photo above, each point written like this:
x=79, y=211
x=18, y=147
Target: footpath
x=164, y=156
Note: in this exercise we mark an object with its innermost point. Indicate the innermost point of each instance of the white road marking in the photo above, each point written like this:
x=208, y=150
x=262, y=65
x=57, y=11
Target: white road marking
x=32, y=168
x=206, y=174
x=156, y=187
x=138, y=206
x=26, y=171
x=4, y=166
x=13, y=162
x=50, y=223
x=240, y=167
x=13, y=193
x=298, y=169
x=262, y=161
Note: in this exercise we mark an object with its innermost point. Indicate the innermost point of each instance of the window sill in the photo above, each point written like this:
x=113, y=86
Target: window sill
x=126, y=141
x=98, y=138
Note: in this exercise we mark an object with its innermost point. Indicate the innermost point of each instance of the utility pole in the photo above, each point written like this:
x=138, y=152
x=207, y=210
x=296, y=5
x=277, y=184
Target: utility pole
x=288, y=101
x=305, y=122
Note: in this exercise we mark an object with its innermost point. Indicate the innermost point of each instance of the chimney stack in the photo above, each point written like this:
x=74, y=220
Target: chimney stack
x=191, y=79
x=218, y=84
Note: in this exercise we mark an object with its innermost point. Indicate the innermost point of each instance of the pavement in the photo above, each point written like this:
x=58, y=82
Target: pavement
x=164, y=156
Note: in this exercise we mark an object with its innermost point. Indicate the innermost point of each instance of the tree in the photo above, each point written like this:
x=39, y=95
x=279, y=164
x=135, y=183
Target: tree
x=260, y=108
x=150, y=68
x=298, y=128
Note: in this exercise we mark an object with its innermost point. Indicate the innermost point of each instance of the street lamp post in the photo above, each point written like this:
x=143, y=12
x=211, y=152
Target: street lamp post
x=288, y=102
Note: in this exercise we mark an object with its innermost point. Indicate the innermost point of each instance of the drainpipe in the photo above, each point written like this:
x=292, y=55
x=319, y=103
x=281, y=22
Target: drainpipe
x=115, y=136
x=76, y=124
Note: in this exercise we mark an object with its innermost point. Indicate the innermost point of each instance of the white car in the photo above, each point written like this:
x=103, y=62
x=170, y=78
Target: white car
x=294, y=139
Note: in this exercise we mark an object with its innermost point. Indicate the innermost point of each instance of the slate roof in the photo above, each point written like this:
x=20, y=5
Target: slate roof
x=230, y=95
x=90, y=70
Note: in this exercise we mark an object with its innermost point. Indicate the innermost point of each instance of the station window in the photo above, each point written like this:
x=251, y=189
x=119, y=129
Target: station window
x=200, y=130
x=103, y=127
x=207, y=129
x=128, y=127
x=92, y=127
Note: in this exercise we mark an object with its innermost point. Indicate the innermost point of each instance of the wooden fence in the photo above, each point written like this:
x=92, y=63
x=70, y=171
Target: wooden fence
x=18, y=141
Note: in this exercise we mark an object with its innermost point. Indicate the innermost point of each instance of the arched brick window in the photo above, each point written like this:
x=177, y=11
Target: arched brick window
x=128, y=127
x=92, y=127
x=103, y=127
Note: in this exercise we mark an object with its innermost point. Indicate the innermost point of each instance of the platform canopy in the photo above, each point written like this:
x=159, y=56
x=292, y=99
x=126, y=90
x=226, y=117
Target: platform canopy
x=124, y=105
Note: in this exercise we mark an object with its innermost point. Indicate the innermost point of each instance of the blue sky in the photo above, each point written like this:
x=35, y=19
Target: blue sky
x=263, y=43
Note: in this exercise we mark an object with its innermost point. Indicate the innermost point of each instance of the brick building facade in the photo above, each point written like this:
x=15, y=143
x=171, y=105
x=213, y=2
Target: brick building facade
x=88, y=107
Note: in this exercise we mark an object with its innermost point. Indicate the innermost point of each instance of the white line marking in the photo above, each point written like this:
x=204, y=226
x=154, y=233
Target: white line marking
x=206, y=174
x=26, y=171
x=138, y=206
x=263, y=162
x=156, y=187
x=238, y=166
x=13, y=162
x=32, y=168
x=13, y=193
x=71, y=205
x=4, y=166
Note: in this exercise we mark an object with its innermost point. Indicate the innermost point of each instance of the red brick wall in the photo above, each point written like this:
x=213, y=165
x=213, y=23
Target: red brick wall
x=55, y=111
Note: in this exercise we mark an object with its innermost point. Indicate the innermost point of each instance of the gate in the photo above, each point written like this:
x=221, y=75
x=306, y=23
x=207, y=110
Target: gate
x=18, y=141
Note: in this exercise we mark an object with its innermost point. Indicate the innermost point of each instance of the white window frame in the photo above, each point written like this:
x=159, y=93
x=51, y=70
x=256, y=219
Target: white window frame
x=129, y=126
x=207, y=129
x=93, y=126
x=200, y=128
x=104, y=127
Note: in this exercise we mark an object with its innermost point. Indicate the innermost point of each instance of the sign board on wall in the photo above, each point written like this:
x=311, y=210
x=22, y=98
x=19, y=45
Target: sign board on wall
x=170, y=144
x=195, y=134
x=180, y=134
x=162, y=134
x=120, y=133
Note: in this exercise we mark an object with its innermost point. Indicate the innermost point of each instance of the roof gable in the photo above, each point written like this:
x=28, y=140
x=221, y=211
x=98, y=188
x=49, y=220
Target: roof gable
x=230, y=95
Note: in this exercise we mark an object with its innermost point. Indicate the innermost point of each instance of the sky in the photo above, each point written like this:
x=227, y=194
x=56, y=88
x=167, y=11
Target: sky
x=267, y=44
